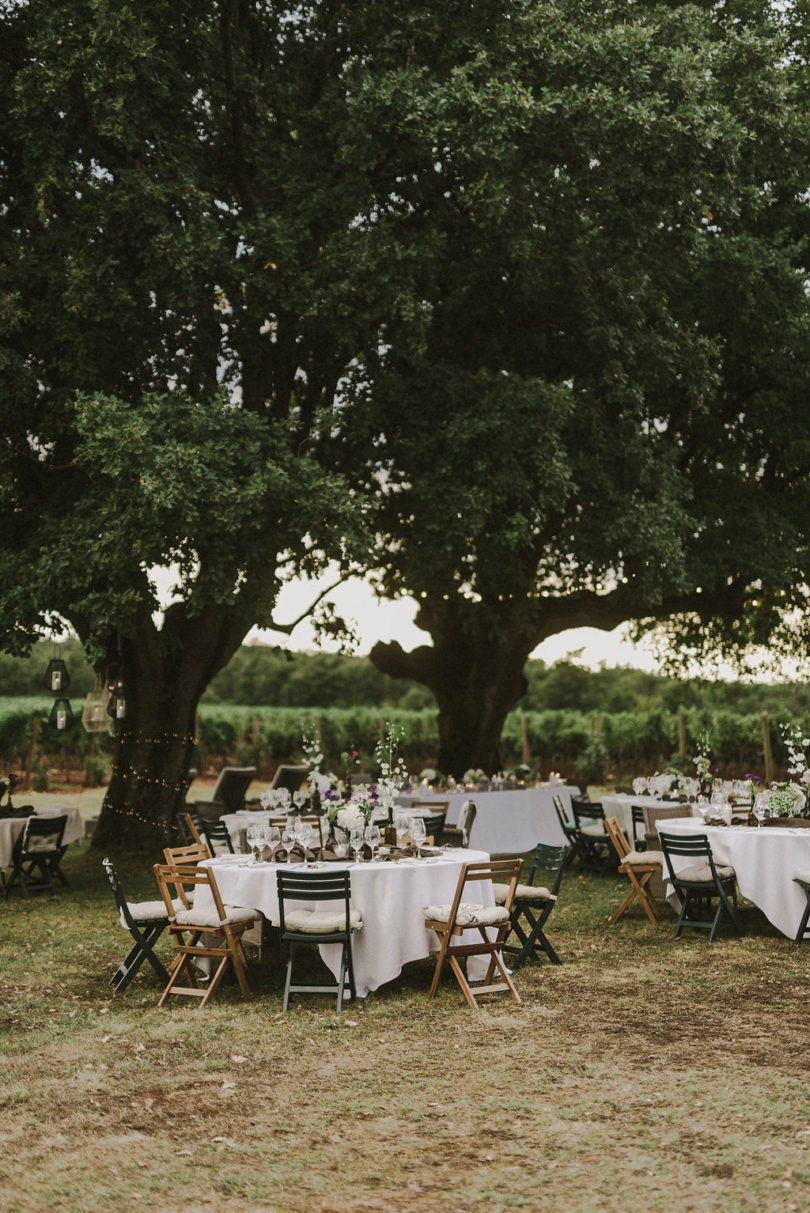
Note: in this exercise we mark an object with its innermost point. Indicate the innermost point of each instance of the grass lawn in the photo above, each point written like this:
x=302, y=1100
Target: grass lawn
x=640, y=1073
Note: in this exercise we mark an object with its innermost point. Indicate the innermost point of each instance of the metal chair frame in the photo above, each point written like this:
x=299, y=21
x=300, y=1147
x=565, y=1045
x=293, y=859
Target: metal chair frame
x=145, y=934
x=28, y=857
x=317, y=886
x=536, y=913
x=697, y=847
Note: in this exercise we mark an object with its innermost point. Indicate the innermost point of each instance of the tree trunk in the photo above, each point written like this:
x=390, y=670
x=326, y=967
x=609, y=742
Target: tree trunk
x=475, y=670
x=164, y=674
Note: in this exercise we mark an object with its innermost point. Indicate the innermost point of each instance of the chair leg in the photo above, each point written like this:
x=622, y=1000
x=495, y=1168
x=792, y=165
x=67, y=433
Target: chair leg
x=290, y=958
x=140, y=951
x=532, y=941
x=805, y=916
x=350, y=966
x=440, y=959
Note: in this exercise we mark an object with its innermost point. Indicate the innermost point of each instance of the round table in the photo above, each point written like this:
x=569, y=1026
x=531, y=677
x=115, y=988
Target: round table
x=390, y=896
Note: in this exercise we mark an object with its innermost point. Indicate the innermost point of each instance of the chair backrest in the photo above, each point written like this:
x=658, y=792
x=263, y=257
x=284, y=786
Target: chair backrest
x=314, y=886
x=175, y=881
x=617, y=836
x=438, y=806
x=548, y=859
x=217, y=835
x=41, y=836
x=586, y=810
x=434, y=824
x=655, y=813
x=499, y=871
x=566, y=825
x=195, y=852
x=637, y=818
x=289, y=777
x=118, y=892
x=231, y=785
x=466, y=817
x=693, y=846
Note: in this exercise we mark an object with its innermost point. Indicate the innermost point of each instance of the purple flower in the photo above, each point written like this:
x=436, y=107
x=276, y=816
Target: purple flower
x=331, y=794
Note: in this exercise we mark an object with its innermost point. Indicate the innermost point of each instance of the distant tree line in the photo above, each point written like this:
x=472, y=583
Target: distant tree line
x=265, y=676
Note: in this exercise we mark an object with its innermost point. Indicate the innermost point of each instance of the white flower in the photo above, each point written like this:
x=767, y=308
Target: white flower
x=350, y=818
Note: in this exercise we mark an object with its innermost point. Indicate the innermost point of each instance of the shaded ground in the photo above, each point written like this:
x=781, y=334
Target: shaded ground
x=639, y=1072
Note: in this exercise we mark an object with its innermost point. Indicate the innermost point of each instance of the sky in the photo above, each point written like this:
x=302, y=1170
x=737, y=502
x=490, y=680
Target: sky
x=380, y=620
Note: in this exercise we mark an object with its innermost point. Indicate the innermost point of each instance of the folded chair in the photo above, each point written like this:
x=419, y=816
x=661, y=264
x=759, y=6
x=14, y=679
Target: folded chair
x=301, y=925
x=639, y=868
x=38, y=849
x=639, y=829
x=459, y=834
x=532, y=906
x=699, y=883
x=197, y=928
x=452, y=920
x=146, y=921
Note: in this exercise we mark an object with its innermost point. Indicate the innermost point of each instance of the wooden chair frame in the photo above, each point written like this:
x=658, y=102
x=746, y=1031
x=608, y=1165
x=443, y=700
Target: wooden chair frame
x=639, y=875
x=697, y=846
x=503, y=871
x=194, y=853
x=191, y=947
x=145, y=933
x=536, y=913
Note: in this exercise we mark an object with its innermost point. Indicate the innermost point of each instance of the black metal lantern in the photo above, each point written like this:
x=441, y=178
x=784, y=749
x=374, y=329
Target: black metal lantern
x=117, y=705
x=56, y=678
x=61, y=714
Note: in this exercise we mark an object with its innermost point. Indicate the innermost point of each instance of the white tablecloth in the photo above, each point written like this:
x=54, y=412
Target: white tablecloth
x=765, y=861
x=10, y=827
x=390, y=897
x=509, y=823
x=620, y=806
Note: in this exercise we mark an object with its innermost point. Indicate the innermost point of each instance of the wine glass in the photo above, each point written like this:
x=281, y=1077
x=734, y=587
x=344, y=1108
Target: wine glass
x=761, y=807
x=288, y=839
x=252, y=839
x=283, y=799
x=356, y=839
x=273, y=836
x=373, y=839
x=304, y=834
x=418, y=834
x=266, y=799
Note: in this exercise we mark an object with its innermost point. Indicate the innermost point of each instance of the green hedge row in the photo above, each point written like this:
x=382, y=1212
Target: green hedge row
x=634, y=741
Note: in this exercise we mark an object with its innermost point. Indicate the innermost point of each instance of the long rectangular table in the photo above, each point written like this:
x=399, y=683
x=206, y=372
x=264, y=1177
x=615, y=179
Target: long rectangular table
x=11, y=827
x=390, y=896
x=765, y=861
x=508, y=823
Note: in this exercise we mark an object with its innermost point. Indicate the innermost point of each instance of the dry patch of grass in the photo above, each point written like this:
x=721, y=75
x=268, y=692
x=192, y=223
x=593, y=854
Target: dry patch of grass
x=641, y=1071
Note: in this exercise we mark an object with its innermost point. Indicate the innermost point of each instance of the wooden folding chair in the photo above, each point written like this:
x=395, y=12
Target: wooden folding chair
x=214, y=921
x=179, y=857
x=451, y=921
x=639, y=868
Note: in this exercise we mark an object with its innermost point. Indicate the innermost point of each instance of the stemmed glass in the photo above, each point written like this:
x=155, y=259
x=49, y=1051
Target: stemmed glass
x=252, y=838
x=356, y=839
x=273, y=836
x=761, y=806
x=304, y=834
x=288, y=839
x=418, y=834
x=373, y=839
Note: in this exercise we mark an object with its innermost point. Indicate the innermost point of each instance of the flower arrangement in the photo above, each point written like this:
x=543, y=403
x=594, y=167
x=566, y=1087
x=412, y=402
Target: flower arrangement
x=352, y=809
x=474, y=775
x=702, y=761
x=787, y=799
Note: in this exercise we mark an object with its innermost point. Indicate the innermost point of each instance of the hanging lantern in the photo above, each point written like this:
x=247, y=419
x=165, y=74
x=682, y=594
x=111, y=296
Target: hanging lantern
x=94, y=713
x=61, y=716
x=117, y=706
x=56, y=677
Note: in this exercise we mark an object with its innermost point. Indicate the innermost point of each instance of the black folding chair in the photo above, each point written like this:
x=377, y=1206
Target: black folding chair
x=532, y=906
x=802, y=879
x=699, y=883
x=190, y=826
x=638, y=840
x=218, y=837
x=38, y=849
x=146, y=921
x=568, y=828
x=434, y=824
x=596, y=852
x=299, y=925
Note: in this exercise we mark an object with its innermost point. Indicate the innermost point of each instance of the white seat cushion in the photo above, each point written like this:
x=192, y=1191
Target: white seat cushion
x=209, y=919
x=596, y=830
x=525, y=892
x=322, y=922
x=702, y=871
x=802, y=876
x=644, y=857
x=150, y=911
x=469, y=914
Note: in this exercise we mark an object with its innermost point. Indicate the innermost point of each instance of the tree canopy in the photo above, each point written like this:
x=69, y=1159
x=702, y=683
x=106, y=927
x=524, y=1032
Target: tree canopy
x=614, y=386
